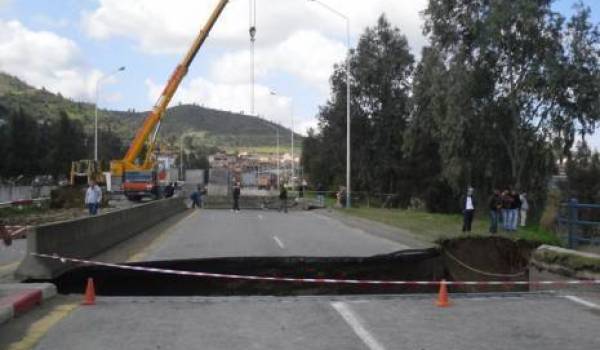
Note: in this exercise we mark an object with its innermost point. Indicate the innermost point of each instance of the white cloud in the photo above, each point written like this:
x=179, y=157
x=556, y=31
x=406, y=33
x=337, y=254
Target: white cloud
x=44, y=59
x=159, y=26
x=307, y=55
x=4, y=3
x=296, y=39
x=235, y=97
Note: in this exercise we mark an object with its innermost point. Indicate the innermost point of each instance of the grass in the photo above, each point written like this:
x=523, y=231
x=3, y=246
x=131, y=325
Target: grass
x=431, y=227
x=27, y=210
x=575, y=262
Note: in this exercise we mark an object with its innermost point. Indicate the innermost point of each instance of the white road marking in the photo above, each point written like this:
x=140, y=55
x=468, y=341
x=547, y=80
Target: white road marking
x=357, y=325
x=582, y=302
x=279, y=242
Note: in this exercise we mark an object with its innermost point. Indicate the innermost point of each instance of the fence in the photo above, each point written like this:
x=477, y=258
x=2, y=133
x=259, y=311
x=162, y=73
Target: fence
x=580, y=223
x=9, y=193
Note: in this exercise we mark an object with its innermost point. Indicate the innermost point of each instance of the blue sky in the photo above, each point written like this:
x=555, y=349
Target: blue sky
x=75, y=42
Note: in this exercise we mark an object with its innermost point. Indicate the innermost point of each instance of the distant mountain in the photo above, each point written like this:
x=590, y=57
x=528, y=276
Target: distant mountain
x=207, y=126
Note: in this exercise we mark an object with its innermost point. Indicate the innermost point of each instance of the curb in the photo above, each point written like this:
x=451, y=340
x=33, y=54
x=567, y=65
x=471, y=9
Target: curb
x=18, y=298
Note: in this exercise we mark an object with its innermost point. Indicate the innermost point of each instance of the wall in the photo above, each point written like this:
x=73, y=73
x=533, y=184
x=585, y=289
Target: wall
x=9, y=193
x=87, y=237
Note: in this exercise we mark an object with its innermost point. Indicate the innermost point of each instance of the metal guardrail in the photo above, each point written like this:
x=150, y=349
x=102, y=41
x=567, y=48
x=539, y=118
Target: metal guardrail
x=579, y=230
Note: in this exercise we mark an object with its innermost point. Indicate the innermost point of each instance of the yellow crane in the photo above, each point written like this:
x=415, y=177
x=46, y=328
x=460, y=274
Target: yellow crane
x=137, y=170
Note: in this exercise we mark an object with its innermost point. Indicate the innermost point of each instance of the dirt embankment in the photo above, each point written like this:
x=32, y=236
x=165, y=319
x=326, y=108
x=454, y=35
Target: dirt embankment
x=487, y=259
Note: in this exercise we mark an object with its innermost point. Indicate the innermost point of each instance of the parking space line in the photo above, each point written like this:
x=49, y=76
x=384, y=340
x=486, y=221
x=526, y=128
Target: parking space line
x=357, y=325
x=279, y=242
x=582, y=302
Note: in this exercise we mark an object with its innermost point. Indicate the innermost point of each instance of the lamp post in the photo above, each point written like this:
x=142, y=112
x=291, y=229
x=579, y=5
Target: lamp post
x=120, y=69
x=273, y=93
x=252, y=32
x=278, y=158
x=331, y=9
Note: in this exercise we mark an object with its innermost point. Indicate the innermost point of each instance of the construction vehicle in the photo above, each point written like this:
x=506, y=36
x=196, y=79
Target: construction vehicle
x=137, y=171
x=84, y=171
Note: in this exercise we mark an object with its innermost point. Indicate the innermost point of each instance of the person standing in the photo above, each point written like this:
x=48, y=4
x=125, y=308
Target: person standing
x=468, y=209
x=495, y=210
x=196, y=198
x=283, y=196
x=169, y=190
x=303, y=186
x=93, y=197
x=524, y=209
x=321, y=194
x=5, y=235
x=514, y=208
x=236, y=197
x=506, y=204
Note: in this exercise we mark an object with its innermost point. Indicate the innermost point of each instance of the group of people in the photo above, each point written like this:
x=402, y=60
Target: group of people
x=508, y=207
x=283, y=197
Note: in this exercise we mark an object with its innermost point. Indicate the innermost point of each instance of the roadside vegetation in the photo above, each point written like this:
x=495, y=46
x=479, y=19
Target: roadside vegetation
x=496, y=100
x=431, y=227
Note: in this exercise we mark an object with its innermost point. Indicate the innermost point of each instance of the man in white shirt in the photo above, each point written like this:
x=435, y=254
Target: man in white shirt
x=93, y=197
x=468, y=209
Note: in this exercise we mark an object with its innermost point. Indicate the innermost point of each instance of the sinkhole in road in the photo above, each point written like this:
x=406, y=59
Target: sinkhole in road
x=473, y=258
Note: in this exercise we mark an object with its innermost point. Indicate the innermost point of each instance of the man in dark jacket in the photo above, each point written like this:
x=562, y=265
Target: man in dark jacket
x=283, y=196
x=495, y=211
x=236, y=196
x=468, y=210
x=5, y=235
x=321, y=194
x=514, y=210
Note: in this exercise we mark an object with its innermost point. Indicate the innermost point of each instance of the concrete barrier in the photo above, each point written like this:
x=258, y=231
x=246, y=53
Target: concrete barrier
x=90, y=236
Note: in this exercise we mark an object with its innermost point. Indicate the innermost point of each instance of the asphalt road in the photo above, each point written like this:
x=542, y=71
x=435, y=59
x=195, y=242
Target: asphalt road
x=532, y=322
x=222, y=233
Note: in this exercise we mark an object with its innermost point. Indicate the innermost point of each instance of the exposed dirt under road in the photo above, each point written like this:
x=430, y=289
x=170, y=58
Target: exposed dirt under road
x=481, y=259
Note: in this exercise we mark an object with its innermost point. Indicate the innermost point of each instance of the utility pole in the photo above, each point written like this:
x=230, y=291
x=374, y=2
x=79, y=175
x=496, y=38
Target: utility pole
x=252, y=32
x=293, y=159
x=348, y=150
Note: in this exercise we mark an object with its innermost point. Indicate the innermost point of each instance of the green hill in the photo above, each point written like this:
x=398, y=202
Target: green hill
x=206, y=126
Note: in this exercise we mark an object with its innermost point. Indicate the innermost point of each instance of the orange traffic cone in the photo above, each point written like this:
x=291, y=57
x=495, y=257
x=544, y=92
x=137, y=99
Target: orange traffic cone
x=90, y=293
x=443, y=295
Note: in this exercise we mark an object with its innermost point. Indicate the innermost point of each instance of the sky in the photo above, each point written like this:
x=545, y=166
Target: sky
x=68, y=46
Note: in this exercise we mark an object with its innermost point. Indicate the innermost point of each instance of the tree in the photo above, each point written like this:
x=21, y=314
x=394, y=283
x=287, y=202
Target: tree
x=508, y=63
x=68, y=141
x=22, y=156
x=583, y=172
x=380, y=69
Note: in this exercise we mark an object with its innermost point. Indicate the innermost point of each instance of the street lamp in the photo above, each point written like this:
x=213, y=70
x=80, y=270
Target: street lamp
x=292, y=133
x=272, y=93
x=348, y=196
x=120, y=69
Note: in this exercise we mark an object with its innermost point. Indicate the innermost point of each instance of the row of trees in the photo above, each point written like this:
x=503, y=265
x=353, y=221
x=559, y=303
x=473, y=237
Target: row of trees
x=501, y=93
x=33, y=147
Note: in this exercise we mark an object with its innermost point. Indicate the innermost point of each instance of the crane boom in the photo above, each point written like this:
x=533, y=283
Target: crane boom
x=165, y=98
x=141, y=179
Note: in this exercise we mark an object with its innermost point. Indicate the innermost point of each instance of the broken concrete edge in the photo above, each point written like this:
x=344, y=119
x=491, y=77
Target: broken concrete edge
x=22, y=297
x=259, y=202
x=566, y=262
x=89, y=236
